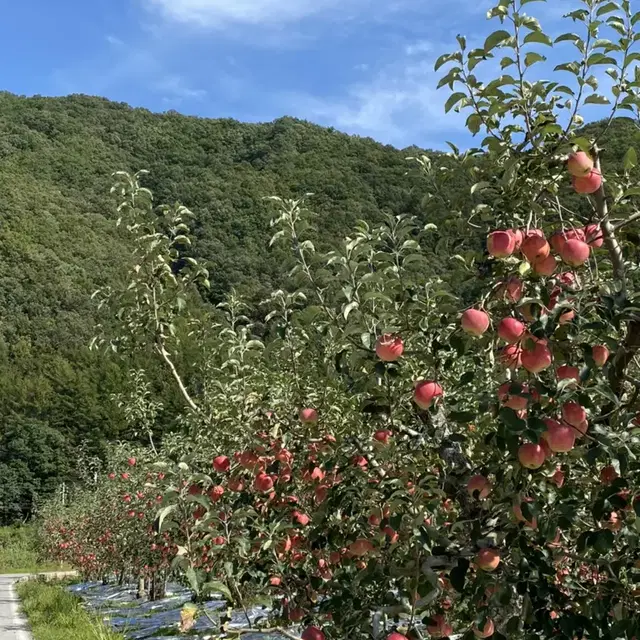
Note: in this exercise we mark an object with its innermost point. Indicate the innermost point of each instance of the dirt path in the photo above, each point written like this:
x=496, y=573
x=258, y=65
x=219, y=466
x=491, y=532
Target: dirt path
x=13, y=626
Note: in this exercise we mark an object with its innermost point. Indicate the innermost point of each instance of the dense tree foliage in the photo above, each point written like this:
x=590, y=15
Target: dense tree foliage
x=58, y=242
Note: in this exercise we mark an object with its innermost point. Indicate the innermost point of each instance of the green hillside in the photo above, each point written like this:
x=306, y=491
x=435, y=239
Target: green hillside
x=59, y=242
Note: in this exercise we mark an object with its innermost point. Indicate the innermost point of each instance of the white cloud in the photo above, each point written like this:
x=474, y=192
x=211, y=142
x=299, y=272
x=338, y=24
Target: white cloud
x=217, y=13
x=399, y=105
x=175, y=89
x=114, y=41
x=415, y=48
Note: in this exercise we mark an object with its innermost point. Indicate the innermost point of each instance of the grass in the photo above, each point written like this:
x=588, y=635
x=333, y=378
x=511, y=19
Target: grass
x=55, y=614
x=20, y=551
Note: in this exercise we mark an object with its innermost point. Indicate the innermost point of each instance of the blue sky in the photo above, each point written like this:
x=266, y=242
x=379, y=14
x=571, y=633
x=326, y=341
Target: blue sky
x=362, y=66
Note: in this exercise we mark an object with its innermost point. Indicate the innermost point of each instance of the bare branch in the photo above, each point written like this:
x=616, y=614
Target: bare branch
x=183, y=390
x=608, y=230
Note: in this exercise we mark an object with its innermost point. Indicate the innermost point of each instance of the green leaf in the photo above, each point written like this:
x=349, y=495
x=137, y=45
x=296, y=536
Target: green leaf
x=479, y=186
x=604, y=541
x=596, y=98
x=571, y=67
x=458, y=574
x=568, y=37
x=494, y=39
x=585, y=539
x=474, y=123
x=538, y=37
x=163, y=513
x=524, y=267
x=349, y=308
x=193, y=580
x=630, y=159
x=462, y=417
x=454, y=98
x=607, y=8
x=583, y=144
x=510, y=418
x=532, y=57
x=443, y=59
x=600, y=58
x=217, y=587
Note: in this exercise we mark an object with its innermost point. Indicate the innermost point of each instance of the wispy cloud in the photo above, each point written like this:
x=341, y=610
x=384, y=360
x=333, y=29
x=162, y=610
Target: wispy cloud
x=175, y=89
x=114, y=41
x=218, y=13
x=399, y=105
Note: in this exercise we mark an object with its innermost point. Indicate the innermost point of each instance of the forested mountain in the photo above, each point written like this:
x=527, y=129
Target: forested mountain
x=59, y=242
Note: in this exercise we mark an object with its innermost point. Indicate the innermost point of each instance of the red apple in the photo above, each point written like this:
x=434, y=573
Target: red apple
x=573, y=413
x=600, y=354
x=312, y=633
x=531, y=455
x=308, y=416
x=567, y=372
x=360, y=547
x=517, y=512
x=301, y=518
x=396, y=636
x=511, y=330
x=575, y=252
x=535, y=246
x=608, y=474
x=392, y=534
x=263, y=482
x=438, y=627
x=501, y=244
x=515, y=402
x=215, y=493
x=513, y=288
x=511, y=356
x=382, y=435
x=579, y=164
x=567, y=279
x=518, y=237
x=488, y=559
x=536, y=357
x=131, y=462
x=221, y=464
x=478, y=486
x=487, y=631
x=295, y=615
x=426, y=391
x=581, y=429
x=557, y=240
x=561, y=438
x=544, y=266
x=389, y=347
x=587, y=184
x=593, y=235
x=566, y=317
x=558, y=477
x=475, y=322
x=532, y=311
